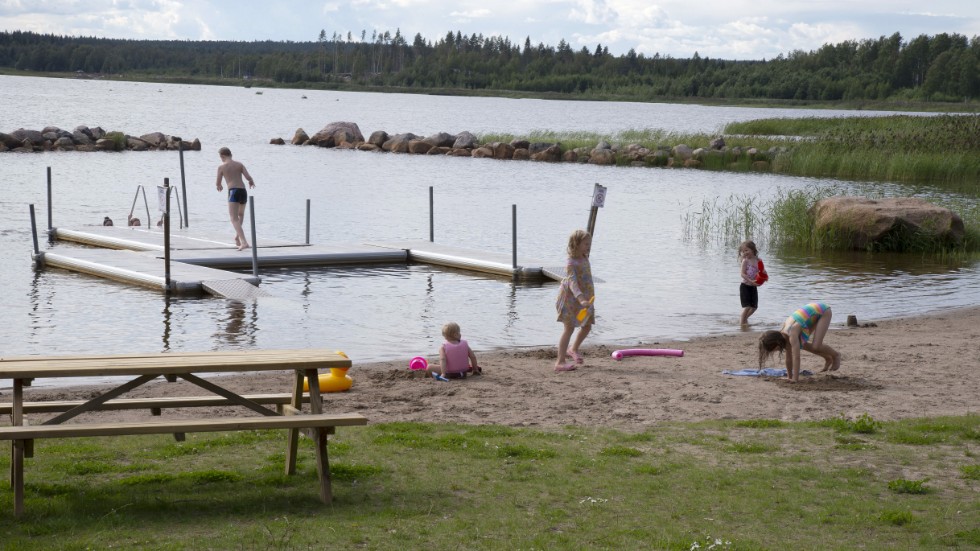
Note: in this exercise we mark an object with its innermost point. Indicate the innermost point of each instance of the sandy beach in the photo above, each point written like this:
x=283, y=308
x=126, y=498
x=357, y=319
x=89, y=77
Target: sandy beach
x=909, y=367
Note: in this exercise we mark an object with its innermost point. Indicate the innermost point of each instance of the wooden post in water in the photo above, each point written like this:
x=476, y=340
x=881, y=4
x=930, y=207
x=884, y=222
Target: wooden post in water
x=166, y=235
x=432, y=221
x=183, y=184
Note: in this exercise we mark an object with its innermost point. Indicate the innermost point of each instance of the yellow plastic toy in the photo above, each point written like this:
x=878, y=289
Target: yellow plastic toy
x=337, y=381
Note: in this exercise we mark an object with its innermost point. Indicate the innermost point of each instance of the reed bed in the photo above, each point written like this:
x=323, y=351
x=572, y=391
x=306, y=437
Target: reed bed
x=942, y=150
x=783, y=222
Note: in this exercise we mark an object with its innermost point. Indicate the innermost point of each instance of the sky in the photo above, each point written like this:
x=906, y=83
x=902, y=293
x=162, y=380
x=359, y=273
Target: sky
x=727, y=29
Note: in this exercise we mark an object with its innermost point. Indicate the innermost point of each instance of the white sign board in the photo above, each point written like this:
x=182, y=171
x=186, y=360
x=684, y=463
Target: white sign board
x=162, y=199
x=599, y=196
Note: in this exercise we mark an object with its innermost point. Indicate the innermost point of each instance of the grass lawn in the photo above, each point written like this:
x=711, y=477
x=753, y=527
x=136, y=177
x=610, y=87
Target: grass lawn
x=833, y=484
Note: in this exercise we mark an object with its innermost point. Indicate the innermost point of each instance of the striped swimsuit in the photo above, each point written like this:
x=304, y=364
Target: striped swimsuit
x=807, y=317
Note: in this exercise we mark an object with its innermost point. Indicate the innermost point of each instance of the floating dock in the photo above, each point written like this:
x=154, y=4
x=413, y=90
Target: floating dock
x=139, y=268
x=427, y=252
x=200, y=265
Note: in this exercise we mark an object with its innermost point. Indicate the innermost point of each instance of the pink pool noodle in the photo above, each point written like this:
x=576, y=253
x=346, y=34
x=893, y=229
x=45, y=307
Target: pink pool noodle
x=620, y=354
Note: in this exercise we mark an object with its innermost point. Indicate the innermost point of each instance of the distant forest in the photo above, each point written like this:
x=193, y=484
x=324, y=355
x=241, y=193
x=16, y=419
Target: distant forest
x=940, y=68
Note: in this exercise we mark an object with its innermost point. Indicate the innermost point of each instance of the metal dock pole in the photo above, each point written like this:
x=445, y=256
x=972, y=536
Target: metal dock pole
x=50, y=219
x=37, y=251
x=183, y=184
x=166, y=236
x=307, y=222
x=255, y=246
x=432, y=220
x=513, y=210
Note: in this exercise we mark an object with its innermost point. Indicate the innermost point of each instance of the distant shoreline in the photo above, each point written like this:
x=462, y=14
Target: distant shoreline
x=860, y=105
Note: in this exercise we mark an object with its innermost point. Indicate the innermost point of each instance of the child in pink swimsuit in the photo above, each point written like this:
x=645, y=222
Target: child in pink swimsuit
x=456, y=359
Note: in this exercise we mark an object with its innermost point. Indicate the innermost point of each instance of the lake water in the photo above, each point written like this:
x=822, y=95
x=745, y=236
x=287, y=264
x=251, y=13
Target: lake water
x=657, y=283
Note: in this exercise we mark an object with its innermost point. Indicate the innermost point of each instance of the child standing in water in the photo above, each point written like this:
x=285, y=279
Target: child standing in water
x=456, y=359
x=576, y=293
x=748, y=291
x=803, y=329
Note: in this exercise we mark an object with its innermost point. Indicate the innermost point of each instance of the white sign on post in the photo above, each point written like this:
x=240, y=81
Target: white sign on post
x=162, y=199
x=599, y=196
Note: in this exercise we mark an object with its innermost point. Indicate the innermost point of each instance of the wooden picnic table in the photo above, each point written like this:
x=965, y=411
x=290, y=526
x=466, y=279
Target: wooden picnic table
x=190, y=367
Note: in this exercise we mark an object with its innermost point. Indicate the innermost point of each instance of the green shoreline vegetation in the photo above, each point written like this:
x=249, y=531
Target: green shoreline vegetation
x=740, y=485
x=938, y=70
x=941, y=152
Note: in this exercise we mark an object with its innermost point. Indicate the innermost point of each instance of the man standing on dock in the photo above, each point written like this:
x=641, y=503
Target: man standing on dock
x=232, y=171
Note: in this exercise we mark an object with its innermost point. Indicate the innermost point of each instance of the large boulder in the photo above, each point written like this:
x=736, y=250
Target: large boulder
x=539, y=147
x=440, y=139
x=80, y=137
x=154, y=139
x=419, y=147
x=602, y=156
x=464, y=140
x=338, y=133
x=682, y=152
x=399, y=143
x=378, y=138
x=9, y=141
x=550, y=154
x=502, y=150
x=886, y=223
x=300, y=137
x=33, y=136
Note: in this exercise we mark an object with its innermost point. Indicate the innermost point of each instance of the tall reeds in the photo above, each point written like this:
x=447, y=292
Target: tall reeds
x=943, y=150
x=784, y=222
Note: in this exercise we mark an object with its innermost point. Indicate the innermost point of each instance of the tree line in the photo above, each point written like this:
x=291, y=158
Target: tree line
x=943, y=67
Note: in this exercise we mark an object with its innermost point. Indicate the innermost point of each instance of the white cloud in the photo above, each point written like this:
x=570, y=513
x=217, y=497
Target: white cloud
x=471, y=14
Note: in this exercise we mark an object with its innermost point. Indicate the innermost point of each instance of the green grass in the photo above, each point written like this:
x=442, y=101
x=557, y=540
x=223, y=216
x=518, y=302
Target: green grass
x=941, y=150
x=435, y=486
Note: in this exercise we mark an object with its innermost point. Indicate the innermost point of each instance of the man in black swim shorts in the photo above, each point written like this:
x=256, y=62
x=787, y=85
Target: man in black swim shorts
x=232, y=171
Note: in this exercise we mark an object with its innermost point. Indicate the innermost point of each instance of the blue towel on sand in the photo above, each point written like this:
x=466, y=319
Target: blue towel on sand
x=767, y=372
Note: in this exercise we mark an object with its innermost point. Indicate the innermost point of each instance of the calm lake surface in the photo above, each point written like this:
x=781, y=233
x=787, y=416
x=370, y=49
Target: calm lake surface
x=656, y=282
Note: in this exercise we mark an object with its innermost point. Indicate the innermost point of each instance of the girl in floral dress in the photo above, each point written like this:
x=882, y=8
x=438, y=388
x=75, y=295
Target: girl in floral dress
x=575, y=296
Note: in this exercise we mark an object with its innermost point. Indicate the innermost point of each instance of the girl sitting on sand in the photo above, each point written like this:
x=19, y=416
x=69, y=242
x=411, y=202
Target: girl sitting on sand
x=456, y=359
x=806, y=329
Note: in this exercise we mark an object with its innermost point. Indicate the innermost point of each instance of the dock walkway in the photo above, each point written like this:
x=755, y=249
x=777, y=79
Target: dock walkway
x=200, y=265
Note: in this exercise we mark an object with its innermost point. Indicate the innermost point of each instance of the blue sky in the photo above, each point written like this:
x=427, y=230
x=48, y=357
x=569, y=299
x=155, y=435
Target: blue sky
x=729, y=29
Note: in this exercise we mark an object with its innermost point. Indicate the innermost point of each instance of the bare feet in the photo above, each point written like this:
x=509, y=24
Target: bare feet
x=243, y=246
x=836, y=363
x=575, y=356
x=570, y=366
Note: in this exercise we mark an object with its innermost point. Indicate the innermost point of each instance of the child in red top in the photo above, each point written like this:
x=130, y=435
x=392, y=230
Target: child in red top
x=748, y=291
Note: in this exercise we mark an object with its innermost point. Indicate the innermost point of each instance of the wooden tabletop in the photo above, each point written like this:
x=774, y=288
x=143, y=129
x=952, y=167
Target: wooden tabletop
x=169, y=363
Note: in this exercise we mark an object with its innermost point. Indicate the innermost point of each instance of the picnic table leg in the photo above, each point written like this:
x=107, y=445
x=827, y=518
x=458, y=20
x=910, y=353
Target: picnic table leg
x=17, y=449
x=17, y=476
x=293, y=441
x=323, y=465
x=320, y=437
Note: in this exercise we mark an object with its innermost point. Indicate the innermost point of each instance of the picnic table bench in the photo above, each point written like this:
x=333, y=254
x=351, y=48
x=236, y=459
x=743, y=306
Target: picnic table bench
x=188, y=366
